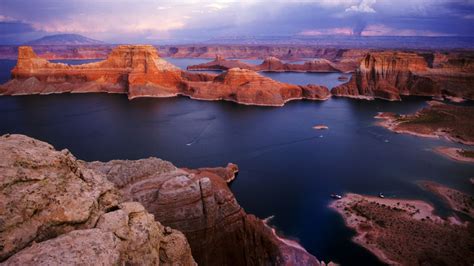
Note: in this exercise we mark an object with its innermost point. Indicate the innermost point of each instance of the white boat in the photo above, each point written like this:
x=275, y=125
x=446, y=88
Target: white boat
x=336, y=196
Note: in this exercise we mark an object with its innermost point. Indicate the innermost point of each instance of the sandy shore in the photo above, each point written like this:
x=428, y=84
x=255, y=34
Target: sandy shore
x=454, y=154
x=405, y=232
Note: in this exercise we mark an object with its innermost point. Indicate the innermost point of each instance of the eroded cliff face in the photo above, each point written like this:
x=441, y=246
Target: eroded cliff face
x=55, y=211
x=200, y=204
x=138, y=71
x=388, y=75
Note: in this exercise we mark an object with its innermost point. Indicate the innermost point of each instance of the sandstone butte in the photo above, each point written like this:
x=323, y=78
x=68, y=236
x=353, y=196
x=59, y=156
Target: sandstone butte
x=138, y=71
x=273, y=64
x=58, y=210
x=388, y=75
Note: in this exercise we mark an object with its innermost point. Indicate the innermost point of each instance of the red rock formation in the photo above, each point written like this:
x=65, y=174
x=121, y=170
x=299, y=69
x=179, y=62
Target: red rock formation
x=249, y=87
x=200, y=204
x=139, y=72
x=387, y=75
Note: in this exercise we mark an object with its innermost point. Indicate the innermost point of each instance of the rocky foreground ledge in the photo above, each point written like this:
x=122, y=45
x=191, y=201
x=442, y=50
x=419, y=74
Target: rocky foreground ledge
x=55, y=209
x=138, y=71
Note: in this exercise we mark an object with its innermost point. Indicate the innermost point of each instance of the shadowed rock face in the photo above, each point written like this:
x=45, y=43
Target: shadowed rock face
x=56, y=211
x=138, y=71
x=388, y=75
x=200, y=204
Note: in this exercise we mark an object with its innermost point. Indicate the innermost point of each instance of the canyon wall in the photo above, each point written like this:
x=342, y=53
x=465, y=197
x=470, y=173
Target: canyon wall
x=388, y=75
x=200, y=204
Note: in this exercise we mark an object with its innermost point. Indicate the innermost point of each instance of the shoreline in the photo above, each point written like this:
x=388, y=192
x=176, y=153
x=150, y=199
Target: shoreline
x=453, y=154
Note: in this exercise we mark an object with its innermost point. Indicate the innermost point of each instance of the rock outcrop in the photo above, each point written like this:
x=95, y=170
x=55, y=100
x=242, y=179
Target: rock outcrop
x=138, y=71
x=54, y=210
x=200, y=204
x=388, y=75
x=248, y=87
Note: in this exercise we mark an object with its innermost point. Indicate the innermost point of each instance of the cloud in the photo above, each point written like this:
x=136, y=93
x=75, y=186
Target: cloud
x=331, y=31
x=384, y=30
x=365, y=6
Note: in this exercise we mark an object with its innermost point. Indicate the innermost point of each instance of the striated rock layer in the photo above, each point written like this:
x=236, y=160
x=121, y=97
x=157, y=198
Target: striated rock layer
x=138, y=71
x=55, y=211
x=388, y=75
x=200, y=204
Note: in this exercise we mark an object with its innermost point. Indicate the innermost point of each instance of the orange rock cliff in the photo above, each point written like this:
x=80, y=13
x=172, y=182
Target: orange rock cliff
x=138, y=71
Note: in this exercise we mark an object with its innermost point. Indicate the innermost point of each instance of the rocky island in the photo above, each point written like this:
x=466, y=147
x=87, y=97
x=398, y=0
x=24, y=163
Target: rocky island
x=138, y=71
x=56, y=209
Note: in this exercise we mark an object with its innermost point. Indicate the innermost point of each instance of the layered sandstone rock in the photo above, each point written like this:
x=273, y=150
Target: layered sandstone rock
x=200, y=204
x=388, y=75
x=55, y=211
x=138, y=71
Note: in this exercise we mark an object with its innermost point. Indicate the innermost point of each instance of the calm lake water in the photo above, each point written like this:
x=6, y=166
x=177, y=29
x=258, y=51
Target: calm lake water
x=287, y=169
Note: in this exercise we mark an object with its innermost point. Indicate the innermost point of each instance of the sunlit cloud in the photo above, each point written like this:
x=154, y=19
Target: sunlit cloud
x=383, y=30
x=331, y=31
x=365, y=6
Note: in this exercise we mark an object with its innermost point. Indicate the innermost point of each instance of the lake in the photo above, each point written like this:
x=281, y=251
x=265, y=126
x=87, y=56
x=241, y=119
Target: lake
x=287, y=169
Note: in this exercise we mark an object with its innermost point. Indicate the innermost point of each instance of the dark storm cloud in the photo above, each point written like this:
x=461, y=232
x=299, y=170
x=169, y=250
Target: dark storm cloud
x=157, y=20
x=15, y=27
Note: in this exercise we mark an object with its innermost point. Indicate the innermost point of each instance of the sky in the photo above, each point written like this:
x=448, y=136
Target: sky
x=156, y=21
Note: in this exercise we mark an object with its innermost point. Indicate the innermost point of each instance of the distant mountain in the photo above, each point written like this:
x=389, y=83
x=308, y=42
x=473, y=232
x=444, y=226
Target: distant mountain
x=64, y=39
